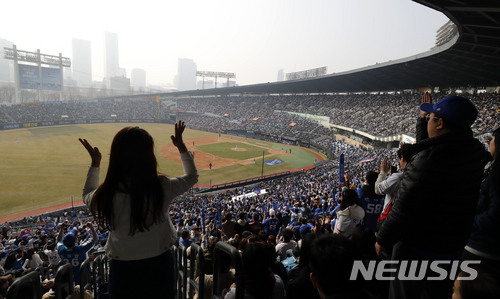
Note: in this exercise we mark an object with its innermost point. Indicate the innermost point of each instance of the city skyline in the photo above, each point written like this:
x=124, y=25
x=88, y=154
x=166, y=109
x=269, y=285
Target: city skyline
x=81, y=62
x=252, y=39
x=111, y=56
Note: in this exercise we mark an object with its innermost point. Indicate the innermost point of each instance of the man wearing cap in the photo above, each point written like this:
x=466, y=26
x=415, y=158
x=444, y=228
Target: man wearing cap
x=272, y=224
x=373, y=203
x=72, y=253
x=438, y=193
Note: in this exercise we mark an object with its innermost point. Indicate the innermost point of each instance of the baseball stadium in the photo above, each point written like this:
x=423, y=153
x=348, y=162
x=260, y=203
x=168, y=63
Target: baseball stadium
x=262, y=178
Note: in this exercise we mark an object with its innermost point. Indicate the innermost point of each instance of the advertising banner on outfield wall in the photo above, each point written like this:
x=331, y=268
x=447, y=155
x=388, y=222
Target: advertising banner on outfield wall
x=73, y=122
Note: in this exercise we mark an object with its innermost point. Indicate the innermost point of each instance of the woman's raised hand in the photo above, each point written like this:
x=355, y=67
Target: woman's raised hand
x=426, y=98
x=177, y=138
x=385, y=165
x=94, y=152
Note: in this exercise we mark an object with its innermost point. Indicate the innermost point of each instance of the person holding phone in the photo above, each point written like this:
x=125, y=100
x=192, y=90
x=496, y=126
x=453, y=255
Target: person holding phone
x=388, y=185
x=437, y=196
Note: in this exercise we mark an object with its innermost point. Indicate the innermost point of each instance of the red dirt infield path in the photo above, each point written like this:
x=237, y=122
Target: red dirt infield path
x=202, y=159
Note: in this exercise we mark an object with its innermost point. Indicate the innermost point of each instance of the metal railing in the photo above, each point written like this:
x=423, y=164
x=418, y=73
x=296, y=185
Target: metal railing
x=220, y=249
x=196, y=269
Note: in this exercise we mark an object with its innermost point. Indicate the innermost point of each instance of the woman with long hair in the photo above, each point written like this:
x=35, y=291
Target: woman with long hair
x=484, y=241
x=350, y=213
x=133, y=203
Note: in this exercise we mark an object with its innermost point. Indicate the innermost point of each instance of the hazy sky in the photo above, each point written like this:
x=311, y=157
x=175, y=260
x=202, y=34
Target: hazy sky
x=253, y=39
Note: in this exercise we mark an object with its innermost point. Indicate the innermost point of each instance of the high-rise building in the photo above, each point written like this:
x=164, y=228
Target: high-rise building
x=281, y=75
x=111, y=61
x=6, y=66
x=186, y=74
x=138, y=78
x=122, y=72
x=81, y=62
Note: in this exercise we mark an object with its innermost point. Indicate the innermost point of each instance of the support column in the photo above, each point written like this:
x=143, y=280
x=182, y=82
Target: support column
x=61, y=91
x=39, y=62
x=16, y=76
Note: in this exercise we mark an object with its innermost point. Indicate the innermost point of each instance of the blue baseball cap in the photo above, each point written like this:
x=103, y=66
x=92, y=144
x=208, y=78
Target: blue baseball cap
x=454, y=109
x=304, y=229
x=70, y=238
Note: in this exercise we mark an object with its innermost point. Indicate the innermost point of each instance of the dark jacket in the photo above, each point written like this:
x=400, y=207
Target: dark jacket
x=421, y=129
x=485, y=236
x=437, y=195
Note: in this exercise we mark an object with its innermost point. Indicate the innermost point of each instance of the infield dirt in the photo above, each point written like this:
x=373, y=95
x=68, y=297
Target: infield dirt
x=203, y=159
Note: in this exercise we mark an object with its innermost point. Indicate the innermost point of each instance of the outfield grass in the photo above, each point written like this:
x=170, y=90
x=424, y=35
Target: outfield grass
x=226, y=150
x=42, y=167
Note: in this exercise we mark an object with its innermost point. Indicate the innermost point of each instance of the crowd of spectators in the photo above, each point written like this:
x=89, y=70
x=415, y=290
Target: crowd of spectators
x=295, y=201
x=76, y=110
x=304, y=203
x=377, y=114
x=41, y=244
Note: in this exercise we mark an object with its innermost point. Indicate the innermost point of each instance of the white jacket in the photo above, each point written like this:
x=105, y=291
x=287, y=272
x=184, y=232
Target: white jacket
x=348, y=219
x=160, y=237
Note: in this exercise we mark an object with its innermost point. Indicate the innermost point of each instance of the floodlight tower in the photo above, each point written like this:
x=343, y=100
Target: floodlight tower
x=215, y=75
x=45, y=79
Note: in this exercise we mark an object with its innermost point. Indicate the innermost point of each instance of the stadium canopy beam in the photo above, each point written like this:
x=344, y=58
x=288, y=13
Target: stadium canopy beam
x=473, y=9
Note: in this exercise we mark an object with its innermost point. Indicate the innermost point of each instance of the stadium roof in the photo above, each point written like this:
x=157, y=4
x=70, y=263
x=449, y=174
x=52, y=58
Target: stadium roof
x=470, y=59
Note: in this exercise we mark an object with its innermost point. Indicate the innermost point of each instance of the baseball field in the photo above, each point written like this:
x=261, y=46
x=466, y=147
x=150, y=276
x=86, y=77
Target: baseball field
x=46, y=166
